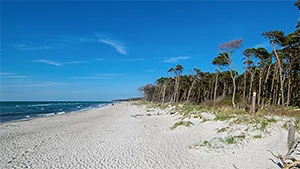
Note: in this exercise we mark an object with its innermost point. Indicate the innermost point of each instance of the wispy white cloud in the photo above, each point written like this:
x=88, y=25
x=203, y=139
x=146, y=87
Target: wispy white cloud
x=46, y=84
x=266, y=45
x=56, y=42
x=16, y=76
x=88, y=77
x=5, y=73
x=108, y=75
x=31, y=47
x=41, y=84
x=97, y=76
x=11, y=75
x=48, y=62
x=134, y=59
x=75, y=62
x=60, y=42
x=86, y=40
x=59, y=64
x=176, y=59
x=116, y=44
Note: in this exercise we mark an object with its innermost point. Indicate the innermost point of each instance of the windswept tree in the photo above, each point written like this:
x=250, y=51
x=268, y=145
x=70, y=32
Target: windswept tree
x=264, y=58
x=195, y=78
x=290, y=53
x=147, y=91
x=248, y=57
x=228, y=49
x=276, y=38
x=162, y=84
x=177, y=71
x=218, y=61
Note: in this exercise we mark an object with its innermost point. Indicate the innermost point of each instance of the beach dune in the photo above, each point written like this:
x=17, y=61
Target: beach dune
x=111, y=137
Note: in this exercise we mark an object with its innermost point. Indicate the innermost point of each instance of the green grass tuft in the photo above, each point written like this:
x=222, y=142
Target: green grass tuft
x=221, y=130
x=205, y=143
x=204, y=120
x=182, y=123
x=257, y=137
x=265, y=122
x=228, y=140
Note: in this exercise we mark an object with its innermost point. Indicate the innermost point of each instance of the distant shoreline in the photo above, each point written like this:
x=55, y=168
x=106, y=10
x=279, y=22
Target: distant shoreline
x=20, y=111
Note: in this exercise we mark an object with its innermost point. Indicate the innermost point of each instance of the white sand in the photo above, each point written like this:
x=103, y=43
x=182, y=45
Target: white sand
x=110, y=137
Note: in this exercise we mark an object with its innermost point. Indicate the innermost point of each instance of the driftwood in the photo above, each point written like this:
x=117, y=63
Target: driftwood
x=291, y=136
x=140, y=115
x=293, y=165
x=288, y=161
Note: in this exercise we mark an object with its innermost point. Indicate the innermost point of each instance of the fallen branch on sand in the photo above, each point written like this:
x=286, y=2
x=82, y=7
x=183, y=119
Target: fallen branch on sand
x=288, y=161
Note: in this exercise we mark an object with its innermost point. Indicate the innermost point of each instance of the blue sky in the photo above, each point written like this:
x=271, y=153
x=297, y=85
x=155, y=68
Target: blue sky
x=106, y=50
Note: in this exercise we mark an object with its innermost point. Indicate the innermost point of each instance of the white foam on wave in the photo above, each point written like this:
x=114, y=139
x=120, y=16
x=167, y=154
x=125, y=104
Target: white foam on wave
x=35, y=105
x=48, y=114
x=60, y=113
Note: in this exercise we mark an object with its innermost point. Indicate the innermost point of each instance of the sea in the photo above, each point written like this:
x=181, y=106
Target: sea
x=12, y=111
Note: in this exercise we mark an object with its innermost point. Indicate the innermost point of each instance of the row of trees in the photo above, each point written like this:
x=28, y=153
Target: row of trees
x=274, y=75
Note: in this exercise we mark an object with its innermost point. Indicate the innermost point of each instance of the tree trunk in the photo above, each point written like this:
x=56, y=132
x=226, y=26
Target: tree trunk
x=176, y=87
x=216, y=86
x=264, y=87
x=289, y=92
x=289, y=82
x=183, y=97
x=211, y=89
x=191, y=88
x=253, y=103
x=178, y=93
x=245, y=78
x=280, y=74
x=276, y=90
x=224, y=89
x=164, y=93
x=199, y=95
x=259, y=86
x=233, y=94
x=272, y=86
x=251, y=84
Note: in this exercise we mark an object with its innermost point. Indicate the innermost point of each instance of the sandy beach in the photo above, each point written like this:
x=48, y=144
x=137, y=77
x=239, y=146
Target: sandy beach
x=111, y=137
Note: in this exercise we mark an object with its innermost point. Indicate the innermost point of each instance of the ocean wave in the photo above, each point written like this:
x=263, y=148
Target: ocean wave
x=38, y=105
x=3, y=114
x=60, y=113
x=34, y=110
x=47, y=114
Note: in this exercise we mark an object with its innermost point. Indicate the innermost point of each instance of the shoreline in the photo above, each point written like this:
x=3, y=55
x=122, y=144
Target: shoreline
x=111, y=137
x=55, y=115
x=45, y=115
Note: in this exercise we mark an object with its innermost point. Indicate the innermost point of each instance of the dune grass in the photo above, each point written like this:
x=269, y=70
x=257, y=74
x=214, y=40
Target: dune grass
x=182, y=123
x=260, y=120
